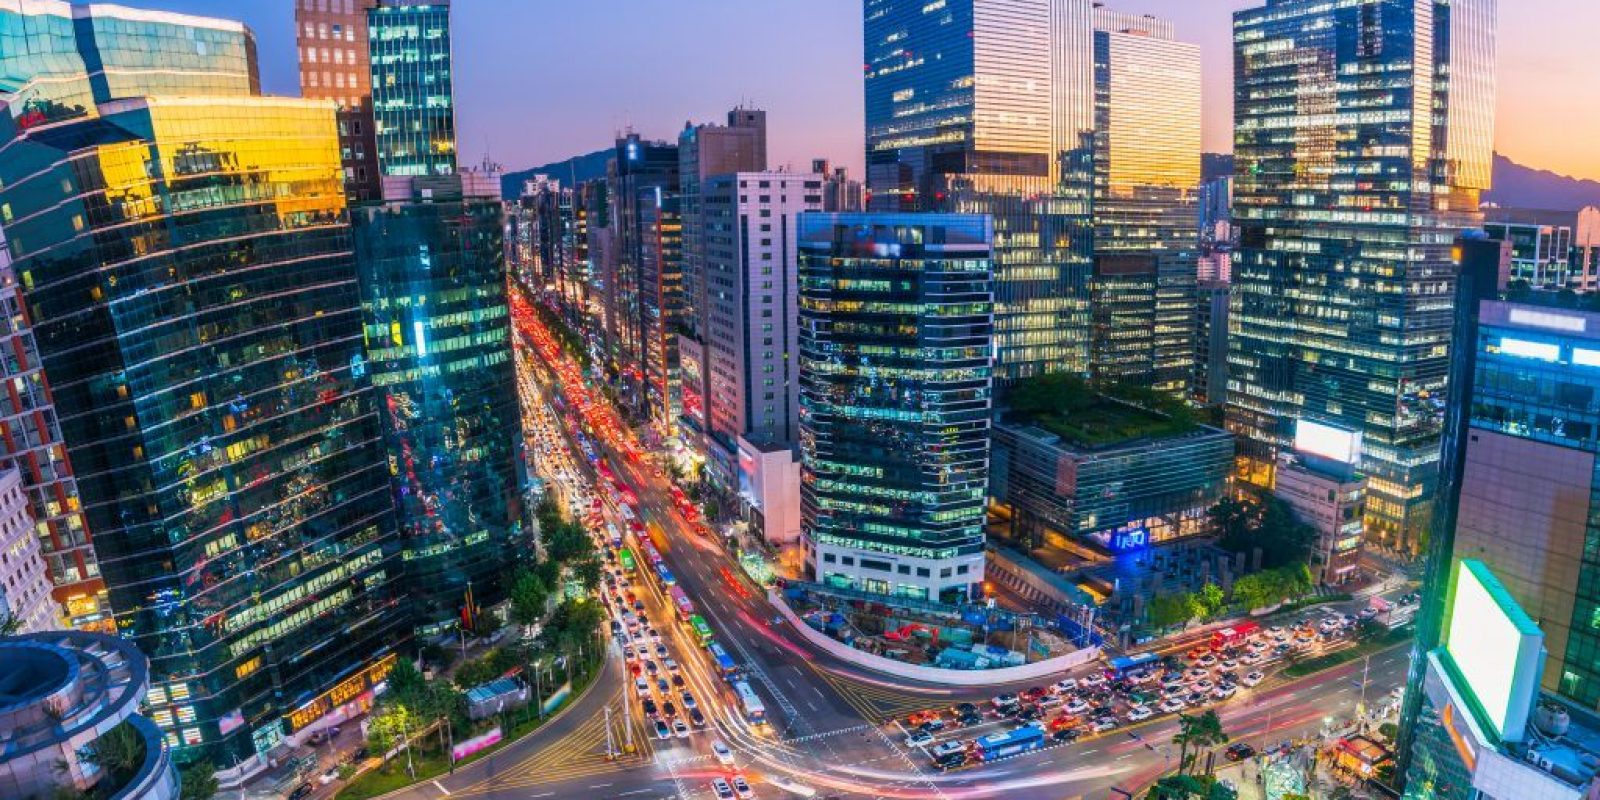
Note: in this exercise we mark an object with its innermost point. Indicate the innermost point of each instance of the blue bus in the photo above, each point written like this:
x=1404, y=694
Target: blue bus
x=754, y=711
x=724, y=662
x=665, y=574
x=1122, y=665
x=1010, y=743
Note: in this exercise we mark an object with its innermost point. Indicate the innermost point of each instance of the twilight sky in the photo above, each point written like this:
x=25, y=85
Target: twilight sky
x=540, y=80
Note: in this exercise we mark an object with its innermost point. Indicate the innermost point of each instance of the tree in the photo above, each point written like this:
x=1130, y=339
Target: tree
x=1166, y=610
x=530, y=598
x=120, y=751
x=1198, y=731
x=387, y=724
x=1389, y=730
x=1257, y=590
x=10, y=624
x=1210, y=600
x=587, y=571
x=198, y=781
x=1234, y=520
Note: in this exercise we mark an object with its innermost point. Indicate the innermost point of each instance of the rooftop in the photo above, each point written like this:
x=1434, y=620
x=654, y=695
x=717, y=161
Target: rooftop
x=1098, y=416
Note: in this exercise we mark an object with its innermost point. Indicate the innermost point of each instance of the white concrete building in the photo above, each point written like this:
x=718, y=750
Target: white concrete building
x=24, y=582
x=769, y=489
x=1332, y=502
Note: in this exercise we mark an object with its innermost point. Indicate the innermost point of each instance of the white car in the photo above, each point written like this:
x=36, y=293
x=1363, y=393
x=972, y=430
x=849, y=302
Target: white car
x=679, y=729
x=919, y=739
x=1223, y=692
x=1077, y=706
x=1066, y=685
x=1251, y=659
x=741, y=787
x=1172, y=705
x=672, y=666
x=642, y=686
x=1253, y=678
x=721, y=788
x=723, y=754
x=946, y=748
x=1104, y=724
x=1139, y=713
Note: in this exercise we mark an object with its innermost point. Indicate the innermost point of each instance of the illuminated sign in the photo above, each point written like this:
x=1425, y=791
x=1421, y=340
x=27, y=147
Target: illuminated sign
x=1523, y=348
x=1546, y=319
x=1584, y=357
x=1315, y=438
x=1129, y=539
x=1495, y=648
x=342, y=692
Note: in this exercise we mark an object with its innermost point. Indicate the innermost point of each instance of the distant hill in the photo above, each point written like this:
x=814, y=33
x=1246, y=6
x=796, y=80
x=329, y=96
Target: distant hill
x=577, y=169
x=1515, y=186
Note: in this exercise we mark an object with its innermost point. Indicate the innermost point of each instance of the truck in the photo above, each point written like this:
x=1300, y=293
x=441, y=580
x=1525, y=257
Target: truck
x=1229, y=637
x=1000, y=745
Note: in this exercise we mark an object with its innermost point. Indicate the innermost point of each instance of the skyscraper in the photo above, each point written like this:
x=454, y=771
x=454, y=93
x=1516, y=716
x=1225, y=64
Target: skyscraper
x=413, y=99
x=1362, y=140
x=194, y=306
x=896, y=325
x=751, y=222
x=643, y=278
x=438, y=343
x=335, y=65
x=1146, y=174
x=989, y=108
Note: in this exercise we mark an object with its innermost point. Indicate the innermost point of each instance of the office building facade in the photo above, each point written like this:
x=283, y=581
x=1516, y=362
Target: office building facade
x=227, y=450
x=1210, y=384
x=1541, y=251
x=989, y=108
x=331, y=36
x=752, y=220
x=1342, y=281
x=25, y=587
x=413, y=98
x=642, y=279
x=438, y=340
x=896, y=325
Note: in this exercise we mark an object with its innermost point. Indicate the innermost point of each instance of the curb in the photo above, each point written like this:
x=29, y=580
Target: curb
x=561, y=712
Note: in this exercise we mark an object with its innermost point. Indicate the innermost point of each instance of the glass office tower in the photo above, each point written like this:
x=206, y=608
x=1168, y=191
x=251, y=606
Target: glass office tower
x=1361, y=138
x=896, y=325
x=988, y=108
x=413, y=102
x=186, y=265
x=1146, y=173
x=438, y=343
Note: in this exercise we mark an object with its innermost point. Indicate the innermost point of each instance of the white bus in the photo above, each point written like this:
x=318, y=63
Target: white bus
x=754, y=711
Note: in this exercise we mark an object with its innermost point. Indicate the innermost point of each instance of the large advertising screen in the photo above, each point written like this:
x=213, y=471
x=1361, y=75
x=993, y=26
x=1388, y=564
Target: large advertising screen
x=1327, y=441
x=1496, y=648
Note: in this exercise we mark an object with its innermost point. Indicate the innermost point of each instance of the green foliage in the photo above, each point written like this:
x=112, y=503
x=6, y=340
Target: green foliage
x=1056, y=392
x=120, y=751
x=1168, y=610
x=487, y=667
x=1245, y=525
x=1210, y=600
x=566, y=542
x=1190, y=787
x=530, y=597
x=387, y=725
x=1389, y=730
x=1273, y=586
x=198, y=781
x=587, y=570
x=1198, y=731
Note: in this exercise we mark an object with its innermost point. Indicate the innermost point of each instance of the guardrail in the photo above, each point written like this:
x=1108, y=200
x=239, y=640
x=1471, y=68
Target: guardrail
x=935, y=675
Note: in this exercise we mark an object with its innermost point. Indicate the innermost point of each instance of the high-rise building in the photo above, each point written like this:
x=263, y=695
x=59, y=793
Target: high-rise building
x=1361, y=142
x=704, y=151
x=641, y=301
x=188, y=279
x=839, y=191
x=896, y=326
x=1585, y=273
x=751, y=222
x=438, y=342
x=413, y=99
x=335, y=65
x=59, y=61
x=1210, y=384
x=25, y=586
x=989, y=108
x=1541, y=243
x=1146, y=176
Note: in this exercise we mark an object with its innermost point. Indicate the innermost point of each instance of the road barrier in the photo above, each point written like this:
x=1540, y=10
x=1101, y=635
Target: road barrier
x=935, y=675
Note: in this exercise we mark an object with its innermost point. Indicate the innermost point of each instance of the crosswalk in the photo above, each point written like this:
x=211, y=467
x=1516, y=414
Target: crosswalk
x=581, y=753
x=875, y=704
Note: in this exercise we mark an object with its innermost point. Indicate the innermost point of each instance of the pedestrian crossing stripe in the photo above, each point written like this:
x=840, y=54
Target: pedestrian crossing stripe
x=581, y=753
x=874, y=704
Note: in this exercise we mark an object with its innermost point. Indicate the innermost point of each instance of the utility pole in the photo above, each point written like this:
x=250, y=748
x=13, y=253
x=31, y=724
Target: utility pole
x=611, y=750
x=1361, y=707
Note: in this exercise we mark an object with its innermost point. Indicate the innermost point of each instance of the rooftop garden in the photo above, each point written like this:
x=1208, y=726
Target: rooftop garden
x=1097, y=415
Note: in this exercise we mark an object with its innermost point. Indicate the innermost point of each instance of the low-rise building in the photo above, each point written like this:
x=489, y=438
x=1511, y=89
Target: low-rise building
x=769, y=489
x=1331, y=498
x=60, y=693
x=1129, y=478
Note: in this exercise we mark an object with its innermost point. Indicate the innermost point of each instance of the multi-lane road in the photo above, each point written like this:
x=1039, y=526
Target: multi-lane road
x=831, y=726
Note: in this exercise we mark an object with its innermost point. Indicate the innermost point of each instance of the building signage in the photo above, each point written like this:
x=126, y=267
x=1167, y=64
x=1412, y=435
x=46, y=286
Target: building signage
x=1495, y=648
x=343, y=692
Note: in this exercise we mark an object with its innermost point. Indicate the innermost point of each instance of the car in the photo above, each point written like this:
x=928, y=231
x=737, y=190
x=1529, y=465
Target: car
x=1171, y=705
x=669, y=709
x=1094, y=679
x=1198, y=652
x=1229, y=664
x=649, y=707
x=1196, y=674
x=1104, y=724
x=358, y=755
x=642, y=686
x=968, y=720
x=946, y=748
x=721, y=789
x=1004, y=700
x=919, y=717
x=1239, y=751
x=1065, y=735
x=677, y=680
x=963, y=709
x=661, y=651
x=1251, y=659
x=680, y=729
x=1195, y=698
x=1139, y=713
x=696, y=718
x=1033, y=694
x=1223, y=691
x=331, y=775
x=651, y=668
x=672, y=666
x=661, y=684
x=741, y=787
x=1066, y=685
x=627, y=652
x=1253, y=678
x=1077, y=706
x=688, y=699
x=919, y=739
x=1206, y=660
x=1368, y=613
x=722, y=752
x=1028, y=713
x=1204, y=685
x=662, y=731
x=932, y=726
x=950, y=760
x=302, y=791
x=1173, y=687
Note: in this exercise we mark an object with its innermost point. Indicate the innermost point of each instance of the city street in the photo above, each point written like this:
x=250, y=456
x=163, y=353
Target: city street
x=830, y=727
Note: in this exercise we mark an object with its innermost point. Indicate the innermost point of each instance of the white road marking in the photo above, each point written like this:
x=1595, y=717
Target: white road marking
x=441, y=788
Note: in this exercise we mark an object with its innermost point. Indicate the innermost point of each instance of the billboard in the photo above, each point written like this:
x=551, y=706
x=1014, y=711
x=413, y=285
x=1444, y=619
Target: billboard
x=1318, y=439
x=1495, y=648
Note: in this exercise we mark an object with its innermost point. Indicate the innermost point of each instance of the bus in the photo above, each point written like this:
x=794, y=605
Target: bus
x=999, y=745
x=681, y=601
x=1122, y=666
x=724, y=662
x=613, y=535
x=666, y=576
x=702, y=631
x=651, y=555
x=754, y=711
x=626, y=557
x=1228, y=637
x=626, y=513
